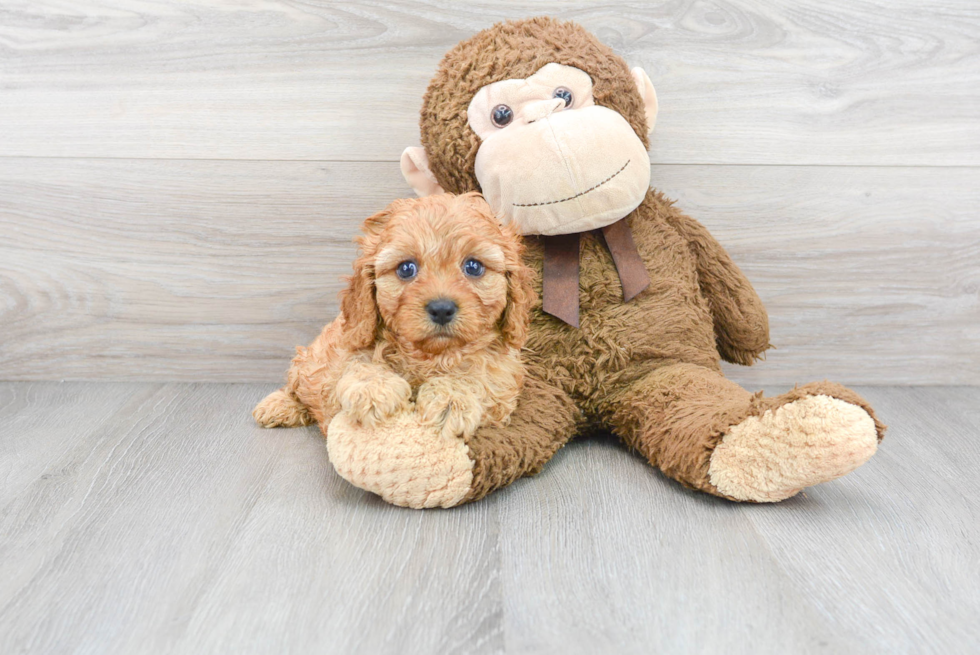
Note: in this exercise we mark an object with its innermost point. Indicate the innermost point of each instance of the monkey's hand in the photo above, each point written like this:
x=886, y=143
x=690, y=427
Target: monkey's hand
x=740, y=320
x=451, y=405
x=370, y=393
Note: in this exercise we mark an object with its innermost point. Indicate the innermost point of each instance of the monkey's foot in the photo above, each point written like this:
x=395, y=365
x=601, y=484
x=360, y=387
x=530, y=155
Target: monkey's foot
x=401, y=460
x=805, y=442
x=281, y=409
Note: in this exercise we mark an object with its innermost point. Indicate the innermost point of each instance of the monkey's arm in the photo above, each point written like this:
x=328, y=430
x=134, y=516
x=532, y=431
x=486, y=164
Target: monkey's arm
x=741, y=322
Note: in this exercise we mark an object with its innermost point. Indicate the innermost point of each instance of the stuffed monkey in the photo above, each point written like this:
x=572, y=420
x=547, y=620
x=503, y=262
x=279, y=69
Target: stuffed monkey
x=639, y=302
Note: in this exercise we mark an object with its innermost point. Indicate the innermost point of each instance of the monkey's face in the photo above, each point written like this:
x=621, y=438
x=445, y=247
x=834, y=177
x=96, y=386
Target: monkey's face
x=551, y=160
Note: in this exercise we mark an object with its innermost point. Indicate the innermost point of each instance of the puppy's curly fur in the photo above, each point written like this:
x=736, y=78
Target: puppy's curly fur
x=385, y=354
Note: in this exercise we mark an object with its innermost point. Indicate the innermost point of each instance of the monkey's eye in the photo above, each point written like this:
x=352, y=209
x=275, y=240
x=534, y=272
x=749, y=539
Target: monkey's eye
x=564, y=94
x=501, y=115
x=407, y=270
x=474, y=267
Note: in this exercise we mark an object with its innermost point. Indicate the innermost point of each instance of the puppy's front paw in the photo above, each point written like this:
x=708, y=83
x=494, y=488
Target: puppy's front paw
x=370, y=395
x=450, y=407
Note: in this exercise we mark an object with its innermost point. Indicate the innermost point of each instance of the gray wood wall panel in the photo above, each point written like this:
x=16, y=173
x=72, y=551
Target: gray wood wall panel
x=788, y=82
x=180, y=181
x=214, y=270
x=163, y=520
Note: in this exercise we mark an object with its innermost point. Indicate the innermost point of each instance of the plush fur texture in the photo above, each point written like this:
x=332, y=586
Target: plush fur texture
x=512, y=50
x=775, y=455
x=384, y=356
x=403, y=465
x=648, y=369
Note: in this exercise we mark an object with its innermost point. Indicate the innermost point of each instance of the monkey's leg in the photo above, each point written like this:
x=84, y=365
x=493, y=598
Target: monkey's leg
x=544, y=421
x=709, y=434
x=412, y=464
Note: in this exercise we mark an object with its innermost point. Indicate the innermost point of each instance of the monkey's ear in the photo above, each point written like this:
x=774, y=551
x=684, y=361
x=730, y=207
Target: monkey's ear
x=415, y=168
x=648, y=94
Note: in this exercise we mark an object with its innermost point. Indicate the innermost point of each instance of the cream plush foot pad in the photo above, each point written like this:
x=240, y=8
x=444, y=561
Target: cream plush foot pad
x=403, y=462
x=808, y=441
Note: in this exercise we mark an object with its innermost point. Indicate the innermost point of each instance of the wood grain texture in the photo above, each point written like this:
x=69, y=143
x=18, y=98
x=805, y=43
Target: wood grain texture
x=601, y=554
x=885, y=82
x=148, y=518
x=180, y=526
x=190, y=270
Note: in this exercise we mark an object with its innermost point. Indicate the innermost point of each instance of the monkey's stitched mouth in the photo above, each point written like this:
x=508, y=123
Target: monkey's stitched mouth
x=577, y=195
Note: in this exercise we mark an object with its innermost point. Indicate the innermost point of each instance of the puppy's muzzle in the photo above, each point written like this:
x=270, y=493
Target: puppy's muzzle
x=441, y=311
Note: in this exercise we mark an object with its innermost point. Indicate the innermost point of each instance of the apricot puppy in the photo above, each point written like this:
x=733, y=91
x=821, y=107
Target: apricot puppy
x=433, y=319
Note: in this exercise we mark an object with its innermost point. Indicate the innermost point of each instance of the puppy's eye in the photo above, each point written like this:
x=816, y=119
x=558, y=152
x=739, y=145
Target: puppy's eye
x=564, y=94
x=474, y=267
x=407, y=270
x=501, y=115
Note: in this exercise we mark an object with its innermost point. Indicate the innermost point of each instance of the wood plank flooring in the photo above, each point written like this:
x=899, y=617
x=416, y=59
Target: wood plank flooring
x=151, y=518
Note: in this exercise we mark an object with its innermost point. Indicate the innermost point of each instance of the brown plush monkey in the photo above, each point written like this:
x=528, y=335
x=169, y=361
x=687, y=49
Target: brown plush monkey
x=639, y=301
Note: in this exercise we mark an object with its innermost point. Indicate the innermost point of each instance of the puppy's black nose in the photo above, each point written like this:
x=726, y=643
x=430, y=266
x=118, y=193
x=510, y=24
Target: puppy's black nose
x=441, y=311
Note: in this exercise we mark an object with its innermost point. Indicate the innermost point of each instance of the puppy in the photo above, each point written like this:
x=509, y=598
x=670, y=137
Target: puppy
x=433, y=318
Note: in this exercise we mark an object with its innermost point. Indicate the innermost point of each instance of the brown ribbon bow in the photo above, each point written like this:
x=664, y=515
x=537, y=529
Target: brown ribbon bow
x=561, y=268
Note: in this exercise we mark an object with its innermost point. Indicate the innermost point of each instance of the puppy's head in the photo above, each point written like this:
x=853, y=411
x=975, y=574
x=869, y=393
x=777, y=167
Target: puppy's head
x=438, y=272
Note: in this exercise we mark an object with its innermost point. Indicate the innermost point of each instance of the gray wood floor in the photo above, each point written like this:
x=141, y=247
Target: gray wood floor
x=152, y=518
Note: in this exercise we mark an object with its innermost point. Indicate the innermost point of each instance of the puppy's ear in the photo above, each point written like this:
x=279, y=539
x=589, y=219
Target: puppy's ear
x=357, y=302
x=520, y=291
